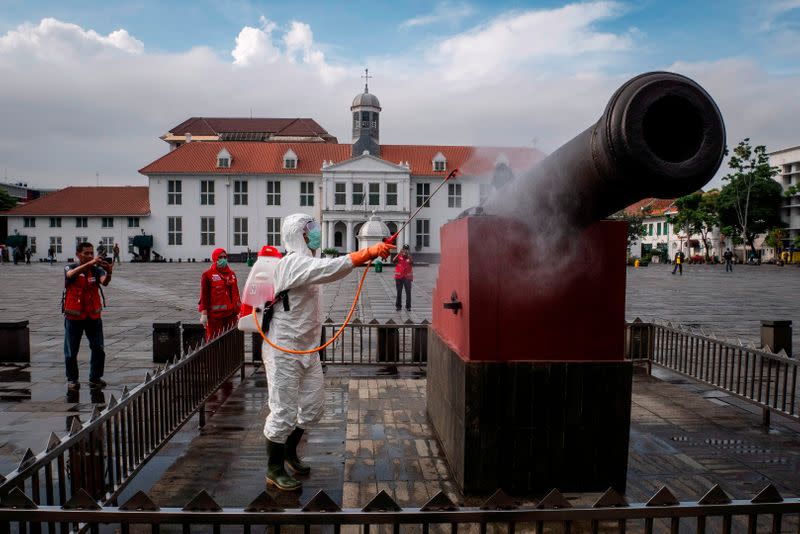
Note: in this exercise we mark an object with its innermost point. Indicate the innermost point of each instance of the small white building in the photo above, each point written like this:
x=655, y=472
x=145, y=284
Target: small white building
x=788, y=163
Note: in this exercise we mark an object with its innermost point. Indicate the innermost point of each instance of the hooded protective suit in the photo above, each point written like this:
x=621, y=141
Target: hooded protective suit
x=296, y=389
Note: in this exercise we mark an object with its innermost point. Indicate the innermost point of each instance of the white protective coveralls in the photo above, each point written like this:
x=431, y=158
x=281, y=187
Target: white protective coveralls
x=296, y=388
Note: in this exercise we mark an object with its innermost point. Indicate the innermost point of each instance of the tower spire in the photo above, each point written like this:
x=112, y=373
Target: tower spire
x=366, y=77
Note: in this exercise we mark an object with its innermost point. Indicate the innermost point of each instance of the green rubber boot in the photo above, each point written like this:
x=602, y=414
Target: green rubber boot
x=294, y=461
x=276, y=472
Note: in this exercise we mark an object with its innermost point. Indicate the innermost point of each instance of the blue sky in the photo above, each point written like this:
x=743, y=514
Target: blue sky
x=95, y=83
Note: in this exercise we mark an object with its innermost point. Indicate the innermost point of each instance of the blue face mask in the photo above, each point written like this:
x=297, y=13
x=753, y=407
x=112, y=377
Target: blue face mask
x=222, y=263
x=314, y=238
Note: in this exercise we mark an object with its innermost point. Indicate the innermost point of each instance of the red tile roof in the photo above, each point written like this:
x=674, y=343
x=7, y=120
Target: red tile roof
x=215, y=126
x=267, y=158
x=88, y=201
x=657, y=207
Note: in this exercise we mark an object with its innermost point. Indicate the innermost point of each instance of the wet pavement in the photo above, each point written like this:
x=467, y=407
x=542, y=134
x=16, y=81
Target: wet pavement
x=375, y=435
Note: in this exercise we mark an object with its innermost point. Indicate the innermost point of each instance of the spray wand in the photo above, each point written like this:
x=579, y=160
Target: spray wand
x=392, y=238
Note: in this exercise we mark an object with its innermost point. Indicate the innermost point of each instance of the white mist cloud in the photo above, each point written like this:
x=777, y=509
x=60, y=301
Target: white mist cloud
x=443, y=13
x=254, y=45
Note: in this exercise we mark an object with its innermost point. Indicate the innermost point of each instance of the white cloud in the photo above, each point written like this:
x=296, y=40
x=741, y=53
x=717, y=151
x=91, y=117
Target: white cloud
x=54, y=40
x=443, y=13
x=535, y=37
x=64, y=119
x=254, y=45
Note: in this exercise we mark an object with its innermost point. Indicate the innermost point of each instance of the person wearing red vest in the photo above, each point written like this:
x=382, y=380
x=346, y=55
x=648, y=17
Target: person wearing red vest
x=403, y=275
x=219, y=295
x=82, y=307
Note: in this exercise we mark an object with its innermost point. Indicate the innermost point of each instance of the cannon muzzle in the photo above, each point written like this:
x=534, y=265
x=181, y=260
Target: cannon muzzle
x=661, y=135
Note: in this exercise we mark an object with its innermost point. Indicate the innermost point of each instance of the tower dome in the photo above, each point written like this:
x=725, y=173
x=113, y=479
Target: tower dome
x=366, y=111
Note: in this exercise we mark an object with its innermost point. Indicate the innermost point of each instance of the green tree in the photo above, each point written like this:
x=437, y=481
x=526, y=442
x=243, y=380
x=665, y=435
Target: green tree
x=775, y=239
x=750, y=200
x=6, y=201
x=697, y=214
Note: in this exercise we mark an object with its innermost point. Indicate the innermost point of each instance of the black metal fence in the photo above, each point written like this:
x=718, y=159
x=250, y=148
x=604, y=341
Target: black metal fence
x=99, y=458
x=715, y=512
x=376, y=343
x=769, y=380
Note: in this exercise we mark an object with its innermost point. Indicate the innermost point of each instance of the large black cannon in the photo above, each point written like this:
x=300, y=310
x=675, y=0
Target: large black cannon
x=661, y=135
x=528, y=387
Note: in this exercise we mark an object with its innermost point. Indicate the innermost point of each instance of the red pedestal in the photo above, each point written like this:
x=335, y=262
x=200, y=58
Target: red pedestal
x=514, y=307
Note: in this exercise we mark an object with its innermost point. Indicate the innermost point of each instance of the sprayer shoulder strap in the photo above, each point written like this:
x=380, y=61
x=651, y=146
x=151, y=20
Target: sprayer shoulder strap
x=284, y=296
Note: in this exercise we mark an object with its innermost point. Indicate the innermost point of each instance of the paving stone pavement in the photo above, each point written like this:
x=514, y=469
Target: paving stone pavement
x=33, y=399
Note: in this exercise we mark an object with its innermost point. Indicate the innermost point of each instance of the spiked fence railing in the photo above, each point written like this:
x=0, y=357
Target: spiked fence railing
x=376, y=343
x=100, y=457
x=757, y=375
x=715, y=512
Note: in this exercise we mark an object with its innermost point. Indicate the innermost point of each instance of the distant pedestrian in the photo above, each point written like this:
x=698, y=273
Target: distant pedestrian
x=728, y=260
x=403, y=276
x=27, y=256
x=679, y=257
x=116, y=253
x=17, y=255
x=51, y=255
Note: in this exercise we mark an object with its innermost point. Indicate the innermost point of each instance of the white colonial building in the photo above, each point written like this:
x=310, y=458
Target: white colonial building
x=788, y=163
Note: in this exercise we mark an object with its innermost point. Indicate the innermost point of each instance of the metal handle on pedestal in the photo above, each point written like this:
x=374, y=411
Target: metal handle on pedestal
x=454, y=303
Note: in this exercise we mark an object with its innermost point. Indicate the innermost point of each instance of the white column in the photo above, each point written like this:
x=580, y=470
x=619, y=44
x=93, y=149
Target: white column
x=349, y=241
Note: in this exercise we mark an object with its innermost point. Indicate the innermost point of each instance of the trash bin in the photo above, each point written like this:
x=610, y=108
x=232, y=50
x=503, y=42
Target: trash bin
x=193, y=336
x=639, y=340
x=166, y=341
x=15, y=340
x=388, y=342
x=378, y=265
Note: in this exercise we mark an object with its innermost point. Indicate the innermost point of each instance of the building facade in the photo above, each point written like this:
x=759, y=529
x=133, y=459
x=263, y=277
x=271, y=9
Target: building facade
x=788, y=163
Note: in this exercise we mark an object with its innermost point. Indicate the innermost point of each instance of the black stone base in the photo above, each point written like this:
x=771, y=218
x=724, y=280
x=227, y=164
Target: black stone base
x=528, y=427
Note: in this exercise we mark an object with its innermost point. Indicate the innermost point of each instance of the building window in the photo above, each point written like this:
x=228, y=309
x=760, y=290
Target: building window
x=374, y=194
x=340, y=194
x=81, y=222
x=55, y=222
x=423, y=192
x=207, y=231
x=485, y=191
x=29, y=222
x=423, y=233
x=658, y=228
x=206, y=192
x=650, y=229
x=453, y=195
x=365, y=119
x=239, y=193
x=289, y=159
x=355, y=119
x=174, y=192
x=223, y=162
x=274, y=231
x=358, y=194
x=107, y=242
x=133, y=222
x=240, y=231
x=130, y=244
x=273, y=193
x=666, y=228
x=391, y=194
x=107, y=222
x=439, y=166
x=80, y=239
x=55, y=244
x=174, y=231
x=33, y=245
x=306, y=193
x=337, y=239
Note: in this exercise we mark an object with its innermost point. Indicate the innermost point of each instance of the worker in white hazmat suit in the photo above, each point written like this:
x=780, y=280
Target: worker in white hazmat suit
x=296, y=391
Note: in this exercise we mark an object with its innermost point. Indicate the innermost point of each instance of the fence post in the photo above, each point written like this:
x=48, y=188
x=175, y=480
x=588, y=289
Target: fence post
x=388, y=346
x=419, y=342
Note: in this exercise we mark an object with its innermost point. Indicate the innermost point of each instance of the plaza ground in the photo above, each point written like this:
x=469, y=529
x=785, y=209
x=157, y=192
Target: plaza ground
x=375, y=434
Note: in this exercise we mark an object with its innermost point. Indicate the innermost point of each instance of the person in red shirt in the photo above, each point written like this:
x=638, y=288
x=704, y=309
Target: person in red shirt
x=82, y=306
x=219, y=295
x=403, y=275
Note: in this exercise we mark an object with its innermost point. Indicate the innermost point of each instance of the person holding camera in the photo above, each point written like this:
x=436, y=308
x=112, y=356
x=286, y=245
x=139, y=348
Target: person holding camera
x=82, y=304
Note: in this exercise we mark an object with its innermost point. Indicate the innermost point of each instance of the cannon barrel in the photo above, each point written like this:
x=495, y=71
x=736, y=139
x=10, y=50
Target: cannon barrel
x=661, y=135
